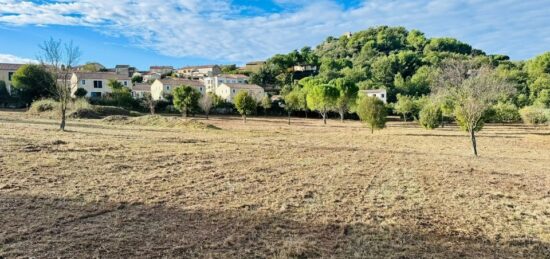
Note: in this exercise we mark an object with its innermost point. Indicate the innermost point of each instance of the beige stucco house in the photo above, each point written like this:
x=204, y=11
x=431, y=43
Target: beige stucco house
x=163, y=70
x=253, y=66
x=165, y=86
x=96, y=83
x=228, y=91
x=139, y=90
x=213, y=82
x=6, y=73
x=199, y=71
x=378, y=93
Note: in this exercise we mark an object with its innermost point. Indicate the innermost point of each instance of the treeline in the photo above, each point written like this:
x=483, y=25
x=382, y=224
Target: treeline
x=405, y=63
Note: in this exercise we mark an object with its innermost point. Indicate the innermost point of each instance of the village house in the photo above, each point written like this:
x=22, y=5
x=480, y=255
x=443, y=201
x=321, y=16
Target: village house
x=165, y=86
x=96, y=83
x=139, y=90
x=228, y=91
x=6, y=74
x=378, y=93
x=196, y=72
x=163, y=70
x=213, y=82
x=150, y=77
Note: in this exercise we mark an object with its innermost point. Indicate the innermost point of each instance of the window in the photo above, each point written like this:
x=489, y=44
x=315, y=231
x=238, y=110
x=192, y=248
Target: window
x=233, y=90
x=167, y=87
x=98, y=84
x=83, y=82
x=95, y=94
x=10, y=74
x=125, y=83
x=382, y=95
x=200, y=89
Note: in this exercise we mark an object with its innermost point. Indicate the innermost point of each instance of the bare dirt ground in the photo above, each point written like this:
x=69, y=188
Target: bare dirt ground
x=266, y=189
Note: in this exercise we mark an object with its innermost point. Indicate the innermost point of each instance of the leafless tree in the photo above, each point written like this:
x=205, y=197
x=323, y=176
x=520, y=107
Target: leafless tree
x=473, y=88
x=60, y=59
x=149, y=102
x=206, y=103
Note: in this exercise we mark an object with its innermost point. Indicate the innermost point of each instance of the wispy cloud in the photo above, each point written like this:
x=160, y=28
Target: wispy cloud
x=7, y=58
x=216, y=29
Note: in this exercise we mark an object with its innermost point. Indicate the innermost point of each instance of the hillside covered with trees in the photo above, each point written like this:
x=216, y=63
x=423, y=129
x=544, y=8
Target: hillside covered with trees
x=404, y=63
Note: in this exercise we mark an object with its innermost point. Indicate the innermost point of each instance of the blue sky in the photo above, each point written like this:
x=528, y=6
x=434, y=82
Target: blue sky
x=188, y=32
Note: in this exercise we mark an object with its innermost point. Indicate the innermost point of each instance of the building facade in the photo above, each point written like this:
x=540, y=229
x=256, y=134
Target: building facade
x=213, y=82
x=228, y=91
x=6, y=74
x=96, y=83
x=196, y=72
x=378, y=93
x=165, y=86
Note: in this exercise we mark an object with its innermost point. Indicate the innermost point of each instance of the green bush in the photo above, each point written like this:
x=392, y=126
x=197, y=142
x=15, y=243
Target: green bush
x=44, y=105
x=504, y=112
x=534, y=115
x=430, y=116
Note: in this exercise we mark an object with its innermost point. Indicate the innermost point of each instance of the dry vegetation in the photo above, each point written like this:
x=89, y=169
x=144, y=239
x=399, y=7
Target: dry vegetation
x=266, y=189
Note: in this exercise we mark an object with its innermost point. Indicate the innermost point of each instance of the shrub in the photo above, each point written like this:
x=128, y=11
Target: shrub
x=80, y=103
x=430, y=116
x=534, y=115
x=43, y=105
x=505, y=112
x=80, y=92
x=372, y=111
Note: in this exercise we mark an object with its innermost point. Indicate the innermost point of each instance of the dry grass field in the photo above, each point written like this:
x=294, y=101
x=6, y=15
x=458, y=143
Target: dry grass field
x=269, y=190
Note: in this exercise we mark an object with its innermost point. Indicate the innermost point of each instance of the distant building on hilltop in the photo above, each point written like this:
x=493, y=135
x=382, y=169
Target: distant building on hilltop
x=161, y=69
x=198, y=72
x=253, y=66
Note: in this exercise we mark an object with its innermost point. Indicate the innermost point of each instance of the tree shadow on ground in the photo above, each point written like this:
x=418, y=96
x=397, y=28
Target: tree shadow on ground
x=50, y=227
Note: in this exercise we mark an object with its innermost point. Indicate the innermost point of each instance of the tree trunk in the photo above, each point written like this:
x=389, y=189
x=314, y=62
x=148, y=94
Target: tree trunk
x=207, y=115
x=244, y=118
x=306, y=113
x=474, y=144
x=289, y=118
x=341, y=115
x=371, y=130
x=63, y=112
x=324, y=117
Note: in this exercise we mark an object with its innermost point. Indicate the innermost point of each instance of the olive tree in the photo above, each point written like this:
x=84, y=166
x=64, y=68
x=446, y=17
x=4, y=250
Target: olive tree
x=245, y=104
x=372, y=111
x=473, y=89
x=348, y=93
x=266, y=104
x=206, y=102
x=405, y=105
x=60, y=60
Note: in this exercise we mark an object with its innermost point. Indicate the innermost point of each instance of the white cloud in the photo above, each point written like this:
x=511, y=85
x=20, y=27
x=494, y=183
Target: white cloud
x=7, y=58
x=214, y=29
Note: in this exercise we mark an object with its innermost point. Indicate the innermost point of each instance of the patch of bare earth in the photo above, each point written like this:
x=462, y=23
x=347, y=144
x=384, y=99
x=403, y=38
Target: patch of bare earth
x=266, y=189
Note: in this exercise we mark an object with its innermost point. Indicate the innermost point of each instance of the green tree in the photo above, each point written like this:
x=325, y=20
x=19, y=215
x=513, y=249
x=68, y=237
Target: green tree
x=121, y=95
x=266, y=104
x=347, y=95
x=4, y=94
x=137, y=79
x=186, y=99
x=245, y=104
x=372, y=111
x=322, y=98
x=474, y=91
x=294, y=101
x=430, y=116
x=80, y=93
x=404, y=106
x=32, y=82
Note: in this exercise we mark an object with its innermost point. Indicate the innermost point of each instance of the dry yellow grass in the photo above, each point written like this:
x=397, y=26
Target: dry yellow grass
x=266, y=189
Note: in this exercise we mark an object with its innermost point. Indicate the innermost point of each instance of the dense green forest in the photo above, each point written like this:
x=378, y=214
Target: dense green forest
x=402, y=62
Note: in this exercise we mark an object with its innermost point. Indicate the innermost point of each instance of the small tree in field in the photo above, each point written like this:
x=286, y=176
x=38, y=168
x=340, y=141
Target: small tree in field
x=186, y=99
x=206, y=102
x=348, y=94
x=59, y=60
x=245, y=104
x=405, y=105
x=372, y=111
x=430, y=116
x=473, y=90
x=294, y=101
x=148, y=102
x=322, y=98
x=266, y=104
